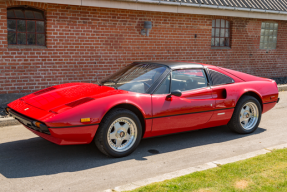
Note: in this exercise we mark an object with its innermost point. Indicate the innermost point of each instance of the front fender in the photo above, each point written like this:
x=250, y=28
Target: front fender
x=96, y=109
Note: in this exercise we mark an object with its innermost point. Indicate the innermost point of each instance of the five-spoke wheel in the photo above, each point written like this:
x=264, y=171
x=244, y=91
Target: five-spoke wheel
x=119, y=133
x=246, y=116
x=249, y=115
x=122, y=134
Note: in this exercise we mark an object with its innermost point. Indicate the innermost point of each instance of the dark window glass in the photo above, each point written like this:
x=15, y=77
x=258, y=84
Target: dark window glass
x=38, y=15
x=21, y=26
x=220, y=33
x=212, y=42
x=135, y=77
x=25, y=26
x=219, y=78
x=188, y=79
x=21, y=38
x=11, y=38
x=19, y=13
x=40, y=26
x=10, y=14
x=11, y=25
x=29, y=14
x=164, y=87
x=30, y=26
x=31, y=39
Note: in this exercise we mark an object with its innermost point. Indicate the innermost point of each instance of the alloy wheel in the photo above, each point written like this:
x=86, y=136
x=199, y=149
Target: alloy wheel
x=249, y=115
x=122, y=134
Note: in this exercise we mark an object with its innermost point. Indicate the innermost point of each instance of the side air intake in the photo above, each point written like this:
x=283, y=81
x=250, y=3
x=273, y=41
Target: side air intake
x=44, y=91
x=80, y=102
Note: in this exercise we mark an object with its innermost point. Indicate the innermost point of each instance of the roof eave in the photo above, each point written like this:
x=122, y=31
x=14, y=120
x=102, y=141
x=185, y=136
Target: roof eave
x=209, y=6
x=174, y=7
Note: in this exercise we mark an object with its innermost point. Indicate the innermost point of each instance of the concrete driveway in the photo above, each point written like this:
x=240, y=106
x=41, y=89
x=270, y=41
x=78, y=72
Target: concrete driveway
x=29, y=163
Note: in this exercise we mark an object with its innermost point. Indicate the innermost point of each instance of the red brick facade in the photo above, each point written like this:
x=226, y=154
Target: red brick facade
x=86, y=43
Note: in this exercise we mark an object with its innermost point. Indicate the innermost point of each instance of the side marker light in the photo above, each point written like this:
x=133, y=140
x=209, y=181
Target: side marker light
x=85, y=120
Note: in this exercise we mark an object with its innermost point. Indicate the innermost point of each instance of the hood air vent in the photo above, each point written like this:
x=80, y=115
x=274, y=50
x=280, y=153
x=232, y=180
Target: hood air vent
x=44, y=91
x=79, y=102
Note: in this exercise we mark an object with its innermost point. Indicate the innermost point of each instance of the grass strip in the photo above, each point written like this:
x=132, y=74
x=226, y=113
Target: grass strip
x=262, y=173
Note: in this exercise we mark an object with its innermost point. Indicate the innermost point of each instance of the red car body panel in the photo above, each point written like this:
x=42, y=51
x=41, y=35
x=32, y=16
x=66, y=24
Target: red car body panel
x=62, y=107
x=191, y=110
x=69, y=136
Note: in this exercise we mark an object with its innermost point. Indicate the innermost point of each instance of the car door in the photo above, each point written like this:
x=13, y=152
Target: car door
x=224, y=95
x=189, y=111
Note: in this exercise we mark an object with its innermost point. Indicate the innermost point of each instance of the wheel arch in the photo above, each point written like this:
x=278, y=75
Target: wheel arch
x=132, y=108
x=253, y=94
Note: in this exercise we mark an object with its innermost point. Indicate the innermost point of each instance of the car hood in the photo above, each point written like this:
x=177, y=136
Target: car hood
x=60, y=98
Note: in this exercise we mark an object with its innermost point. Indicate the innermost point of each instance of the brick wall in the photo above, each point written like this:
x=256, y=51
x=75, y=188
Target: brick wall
x=86, y=43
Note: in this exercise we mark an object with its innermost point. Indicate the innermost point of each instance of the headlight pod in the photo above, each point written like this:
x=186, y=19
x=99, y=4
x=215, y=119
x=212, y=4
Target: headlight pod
x=41, y=126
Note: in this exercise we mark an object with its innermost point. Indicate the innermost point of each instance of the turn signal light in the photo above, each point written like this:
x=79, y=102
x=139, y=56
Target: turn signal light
x=41, y=126
x=37, y=124
x=85, y=120
x=7, y=110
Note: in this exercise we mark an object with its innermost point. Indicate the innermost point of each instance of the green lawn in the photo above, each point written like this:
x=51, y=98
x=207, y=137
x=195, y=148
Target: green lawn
x=262, y=173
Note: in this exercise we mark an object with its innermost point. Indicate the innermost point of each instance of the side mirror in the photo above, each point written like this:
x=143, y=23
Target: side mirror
x=175, y=93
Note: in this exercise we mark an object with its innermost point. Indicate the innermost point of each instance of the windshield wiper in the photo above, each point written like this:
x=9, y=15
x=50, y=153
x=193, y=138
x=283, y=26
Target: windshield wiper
x=112, y=81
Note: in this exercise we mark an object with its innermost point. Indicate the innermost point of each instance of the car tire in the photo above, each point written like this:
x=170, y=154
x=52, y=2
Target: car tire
x=119, y=133
x=246, y=116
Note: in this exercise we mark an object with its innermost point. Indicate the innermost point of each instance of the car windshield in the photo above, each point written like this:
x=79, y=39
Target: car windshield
x=135, y=77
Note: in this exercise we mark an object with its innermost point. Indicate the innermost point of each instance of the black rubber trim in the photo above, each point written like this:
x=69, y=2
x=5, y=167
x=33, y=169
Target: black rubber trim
x=27, y=121
x=206, y=70
x=159, y=81
x=271, y=102
x=189, y=113
x=76, y=126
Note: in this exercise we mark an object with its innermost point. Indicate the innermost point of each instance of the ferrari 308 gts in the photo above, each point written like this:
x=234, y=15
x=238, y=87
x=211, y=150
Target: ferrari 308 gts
x=146, y=99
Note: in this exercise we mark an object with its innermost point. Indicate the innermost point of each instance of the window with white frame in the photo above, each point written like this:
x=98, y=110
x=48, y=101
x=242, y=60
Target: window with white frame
x=268, y=38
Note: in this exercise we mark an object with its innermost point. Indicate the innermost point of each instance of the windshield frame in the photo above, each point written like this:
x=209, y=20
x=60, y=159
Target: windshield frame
x=153, y=86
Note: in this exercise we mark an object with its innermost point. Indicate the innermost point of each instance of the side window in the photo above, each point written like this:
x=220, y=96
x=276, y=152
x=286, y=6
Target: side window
x=164, y=87
x=188, y=79
x=219, y=78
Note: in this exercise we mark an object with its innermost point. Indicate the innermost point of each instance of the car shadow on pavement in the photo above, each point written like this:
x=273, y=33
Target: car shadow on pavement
x=36, y=156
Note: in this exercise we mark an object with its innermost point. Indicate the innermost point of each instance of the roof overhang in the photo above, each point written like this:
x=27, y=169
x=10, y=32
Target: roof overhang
x=174, y=7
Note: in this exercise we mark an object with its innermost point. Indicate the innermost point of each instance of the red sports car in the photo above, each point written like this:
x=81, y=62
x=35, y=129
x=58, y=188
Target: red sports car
x=146, y=99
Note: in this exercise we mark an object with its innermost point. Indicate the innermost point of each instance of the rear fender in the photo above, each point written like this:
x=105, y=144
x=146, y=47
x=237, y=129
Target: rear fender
x=254, y=93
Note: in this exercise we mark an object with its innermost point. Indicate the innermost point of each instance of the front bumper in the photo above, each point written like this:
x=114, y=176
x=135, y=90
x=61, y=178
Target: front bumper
x=61, y=136
x=27, y=122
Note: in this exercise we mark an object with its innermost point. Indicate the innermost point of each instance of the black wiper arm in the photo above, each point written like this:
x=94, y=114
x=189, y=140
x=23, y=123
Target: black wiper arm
x=115, y=82
x=112, y=81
